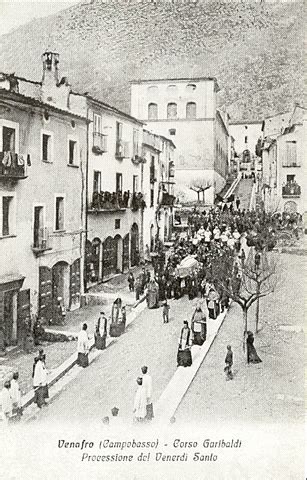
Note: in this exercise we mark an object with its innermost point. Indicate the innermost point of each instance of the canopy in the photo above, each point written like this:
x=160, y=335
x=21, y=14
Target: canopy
x=187, y=266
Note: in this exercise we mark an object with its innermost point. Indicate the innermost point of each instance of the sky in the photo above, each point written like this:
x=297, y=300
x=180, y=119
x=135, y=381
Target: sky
x=14, y=13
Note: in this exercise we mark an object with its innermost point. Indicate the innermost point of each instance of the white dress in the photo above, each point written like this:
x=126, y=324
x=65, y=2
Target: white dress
x=140, y=402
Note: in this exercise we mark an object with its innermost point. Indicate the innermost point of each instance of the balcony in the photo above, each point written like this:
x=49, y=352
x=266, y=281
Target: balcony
x=167, y=199
x=12, y=166
x=291, y=190
x=109, y=201
x=42, y=241
x=122, y=149
x=99, y=143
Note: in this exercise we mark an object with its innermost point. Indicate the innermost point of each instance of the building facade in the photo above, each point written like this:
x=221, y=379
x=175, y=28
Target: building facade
x=185, y=111
x=247, y=135
x=42, y=196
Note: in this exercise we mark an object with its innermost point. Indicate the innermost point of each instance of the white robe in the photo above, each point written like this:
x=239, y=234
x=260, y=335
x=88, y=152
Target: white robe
x=6, y=403
x=140, y=402
x=40, y=374
x=83, y=344
x=147, y=383
x=15, y=393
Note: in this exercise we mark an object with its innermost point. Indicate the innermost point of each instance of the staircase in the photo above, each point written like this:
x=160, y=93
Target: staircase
x=244, y=190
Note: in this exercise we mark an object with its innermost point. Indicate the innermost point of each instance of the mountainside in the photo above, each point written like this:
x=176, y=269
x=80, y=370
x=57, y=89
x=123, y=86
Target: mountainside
x=254, y=49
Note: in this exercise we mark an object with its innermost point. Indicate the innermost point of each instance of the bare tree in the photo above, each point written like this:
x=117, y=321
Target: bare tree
x=200, y=186
x=256, y=279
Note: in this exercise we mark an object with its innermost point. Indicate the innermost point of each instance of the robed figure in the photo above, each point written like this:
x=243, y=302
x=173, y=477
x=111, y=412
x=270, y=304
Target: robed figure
x=199, y=326
x=252, y=356
x=152, y=296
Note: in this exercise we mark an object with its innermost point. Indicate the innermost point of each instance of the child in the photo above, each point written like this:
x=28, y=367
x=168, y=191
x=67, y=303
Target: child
x=165, y=312
x=229, y=363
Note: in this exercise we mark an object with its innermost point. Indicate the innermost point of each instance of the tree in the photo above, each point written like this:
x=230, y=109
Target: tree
x=200, y=186
x=256, y=278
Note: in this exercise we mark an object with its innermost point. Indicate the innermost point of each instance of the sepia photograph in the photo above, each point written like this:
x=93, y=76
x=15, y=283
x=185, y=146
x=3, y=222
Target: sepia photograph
x=153, y=239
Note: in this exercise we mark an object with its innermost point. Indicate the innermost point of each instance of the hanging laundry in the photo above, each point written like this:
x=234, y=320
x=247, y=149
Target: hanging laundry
x=20, y=160
x=7, y=159
x=29, y=160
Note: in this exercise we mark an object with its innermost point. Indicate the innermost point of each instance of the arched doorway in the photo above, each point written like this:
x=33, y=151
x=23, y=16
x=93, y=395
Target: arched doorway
x=109, y=258
x=95, y=260
x=119, y=264
x=126, y=242
x=290, y=207
x=135, y=249
x=60, y=284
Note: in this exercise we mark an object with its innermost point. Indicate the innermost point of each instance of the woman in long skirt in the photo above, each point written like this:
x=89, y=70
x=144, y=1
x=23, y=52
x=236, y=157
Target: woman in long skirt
x=252, y=356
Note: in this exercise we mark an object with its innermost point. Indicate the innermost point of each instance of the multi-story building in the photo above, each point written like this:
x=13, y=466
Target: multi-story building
x=115, y=202
x=42, y=196
x=247, y=135
x=184, y=110
x=158, y=182
x=284, y=163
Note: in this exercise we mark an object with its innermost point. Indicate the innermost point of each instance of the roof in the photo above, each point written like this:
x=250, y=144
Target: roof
x=108, y=107
x=222, y=120
x=8, y=95
x=179, y=79
x=8, y=75
x=246, y=122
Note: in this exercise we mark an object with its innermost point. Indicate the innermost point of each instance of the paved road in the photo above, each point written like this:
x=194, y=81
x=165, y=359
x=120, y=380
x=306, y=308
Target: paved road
x=244, y=191
x=111, y=380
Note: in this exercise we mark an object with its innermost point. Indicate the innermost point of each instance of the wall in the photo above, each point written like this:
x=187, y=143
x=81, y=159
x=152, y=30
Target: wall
x=241, y=130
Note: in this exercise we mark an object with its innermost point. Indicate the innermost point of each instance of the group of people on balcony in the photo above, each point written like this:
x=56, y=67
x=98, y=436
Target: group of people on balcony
x=13, y=163
x=116, y=200
x=291, y=188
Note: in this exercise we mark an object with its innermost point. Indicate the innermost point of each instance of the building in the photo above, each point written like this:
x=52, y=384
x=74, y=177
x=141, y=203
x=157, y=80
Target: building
x=42, y=197
x=284, y=163
x=185, y=110
x=158, y=182
x=115, y=202
x=247, y=134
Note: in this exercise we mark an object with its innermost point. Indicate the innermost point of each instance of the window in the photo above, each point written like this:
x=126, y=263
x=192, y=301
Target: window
x=152, y=111
x=135, y=183
x=152, y=90
x=245, y=140
x=59, y=213
x=135, y=142
x=152, y=195
x=172, y=110
x=6, y=215
x=119, y=182
x=246, y=127
x=119, y=131
x=97, y=123
x=72, y=152
x=97, y=181
x=172, y=89
x=290, y=178
x=172, y=131
x=191, y=87
x=38, y=226
x=8, y=139
x=46, y=147
x=117, y=223
x=191, y=110
x=290, y=157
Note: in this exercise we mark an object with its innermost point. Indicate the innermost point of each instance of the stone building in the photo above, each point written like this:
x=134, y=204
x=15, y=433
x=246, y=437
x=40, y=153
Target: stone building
x=42, y=196
x=246, y=135
x=184, y=109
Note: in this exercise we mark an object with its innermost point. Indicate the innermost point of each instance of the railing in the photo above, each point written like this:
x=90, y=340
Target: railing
x=12, y=166
x=167, y=199
x=122, y=149
x=99, y=143
x=291, y=190
x=110, y=200
x=42, y=241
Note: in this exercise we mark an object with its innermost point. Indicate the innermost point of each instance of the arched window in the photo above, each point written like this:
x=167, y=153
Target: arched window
x=172, y=110
x=152, y=90
x=191, y=87
x=172, y=89
x=152, y=111
x=191, y=110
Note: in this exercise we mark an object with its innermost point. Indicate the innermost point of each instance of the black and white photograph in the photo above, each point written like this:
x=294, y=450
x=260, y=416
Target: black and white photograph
x=153, y=239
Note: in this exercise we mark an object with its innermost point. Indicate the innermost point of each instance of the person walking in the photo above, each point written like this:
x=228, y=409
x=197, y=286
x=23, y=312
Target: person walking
x=131, y=281
x=147, y=383
x=16, y=397
x=165, y=312
x=140, y=402
x=83, y=347
x=6, y=402
x=40, y=381
x=252, y=356
x=101, y=332
x=238, y=202
x=228, y=363
x=184, y=357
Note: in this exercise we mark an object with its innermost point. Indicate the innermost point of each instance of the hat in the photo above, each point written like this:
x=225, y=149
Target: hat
x=114, y=411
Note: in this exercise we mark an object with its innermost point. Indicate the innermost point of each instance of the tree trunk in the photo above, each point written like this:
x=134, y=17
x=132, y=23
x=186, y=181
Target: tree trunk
x=244, y=326
x=257, y=310
x=198, y=196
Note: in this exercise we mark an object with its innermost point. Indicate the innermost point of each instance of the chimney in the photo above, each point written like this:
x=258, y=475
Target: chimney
x=50, y=68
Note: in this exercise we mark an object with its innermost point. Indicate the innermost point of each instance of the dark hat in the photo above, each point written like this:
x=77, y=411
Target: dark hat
x=114, y=411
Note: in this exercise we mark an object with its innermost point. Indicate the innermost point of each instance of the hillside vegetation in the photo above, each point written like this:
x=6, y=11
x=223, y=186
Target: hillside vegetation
x=254, y=49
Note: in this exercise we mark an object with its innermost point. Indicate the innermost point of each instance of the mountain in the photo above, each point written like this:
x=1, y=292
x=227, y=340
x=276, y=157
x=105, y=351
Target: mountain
x=254, y=49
